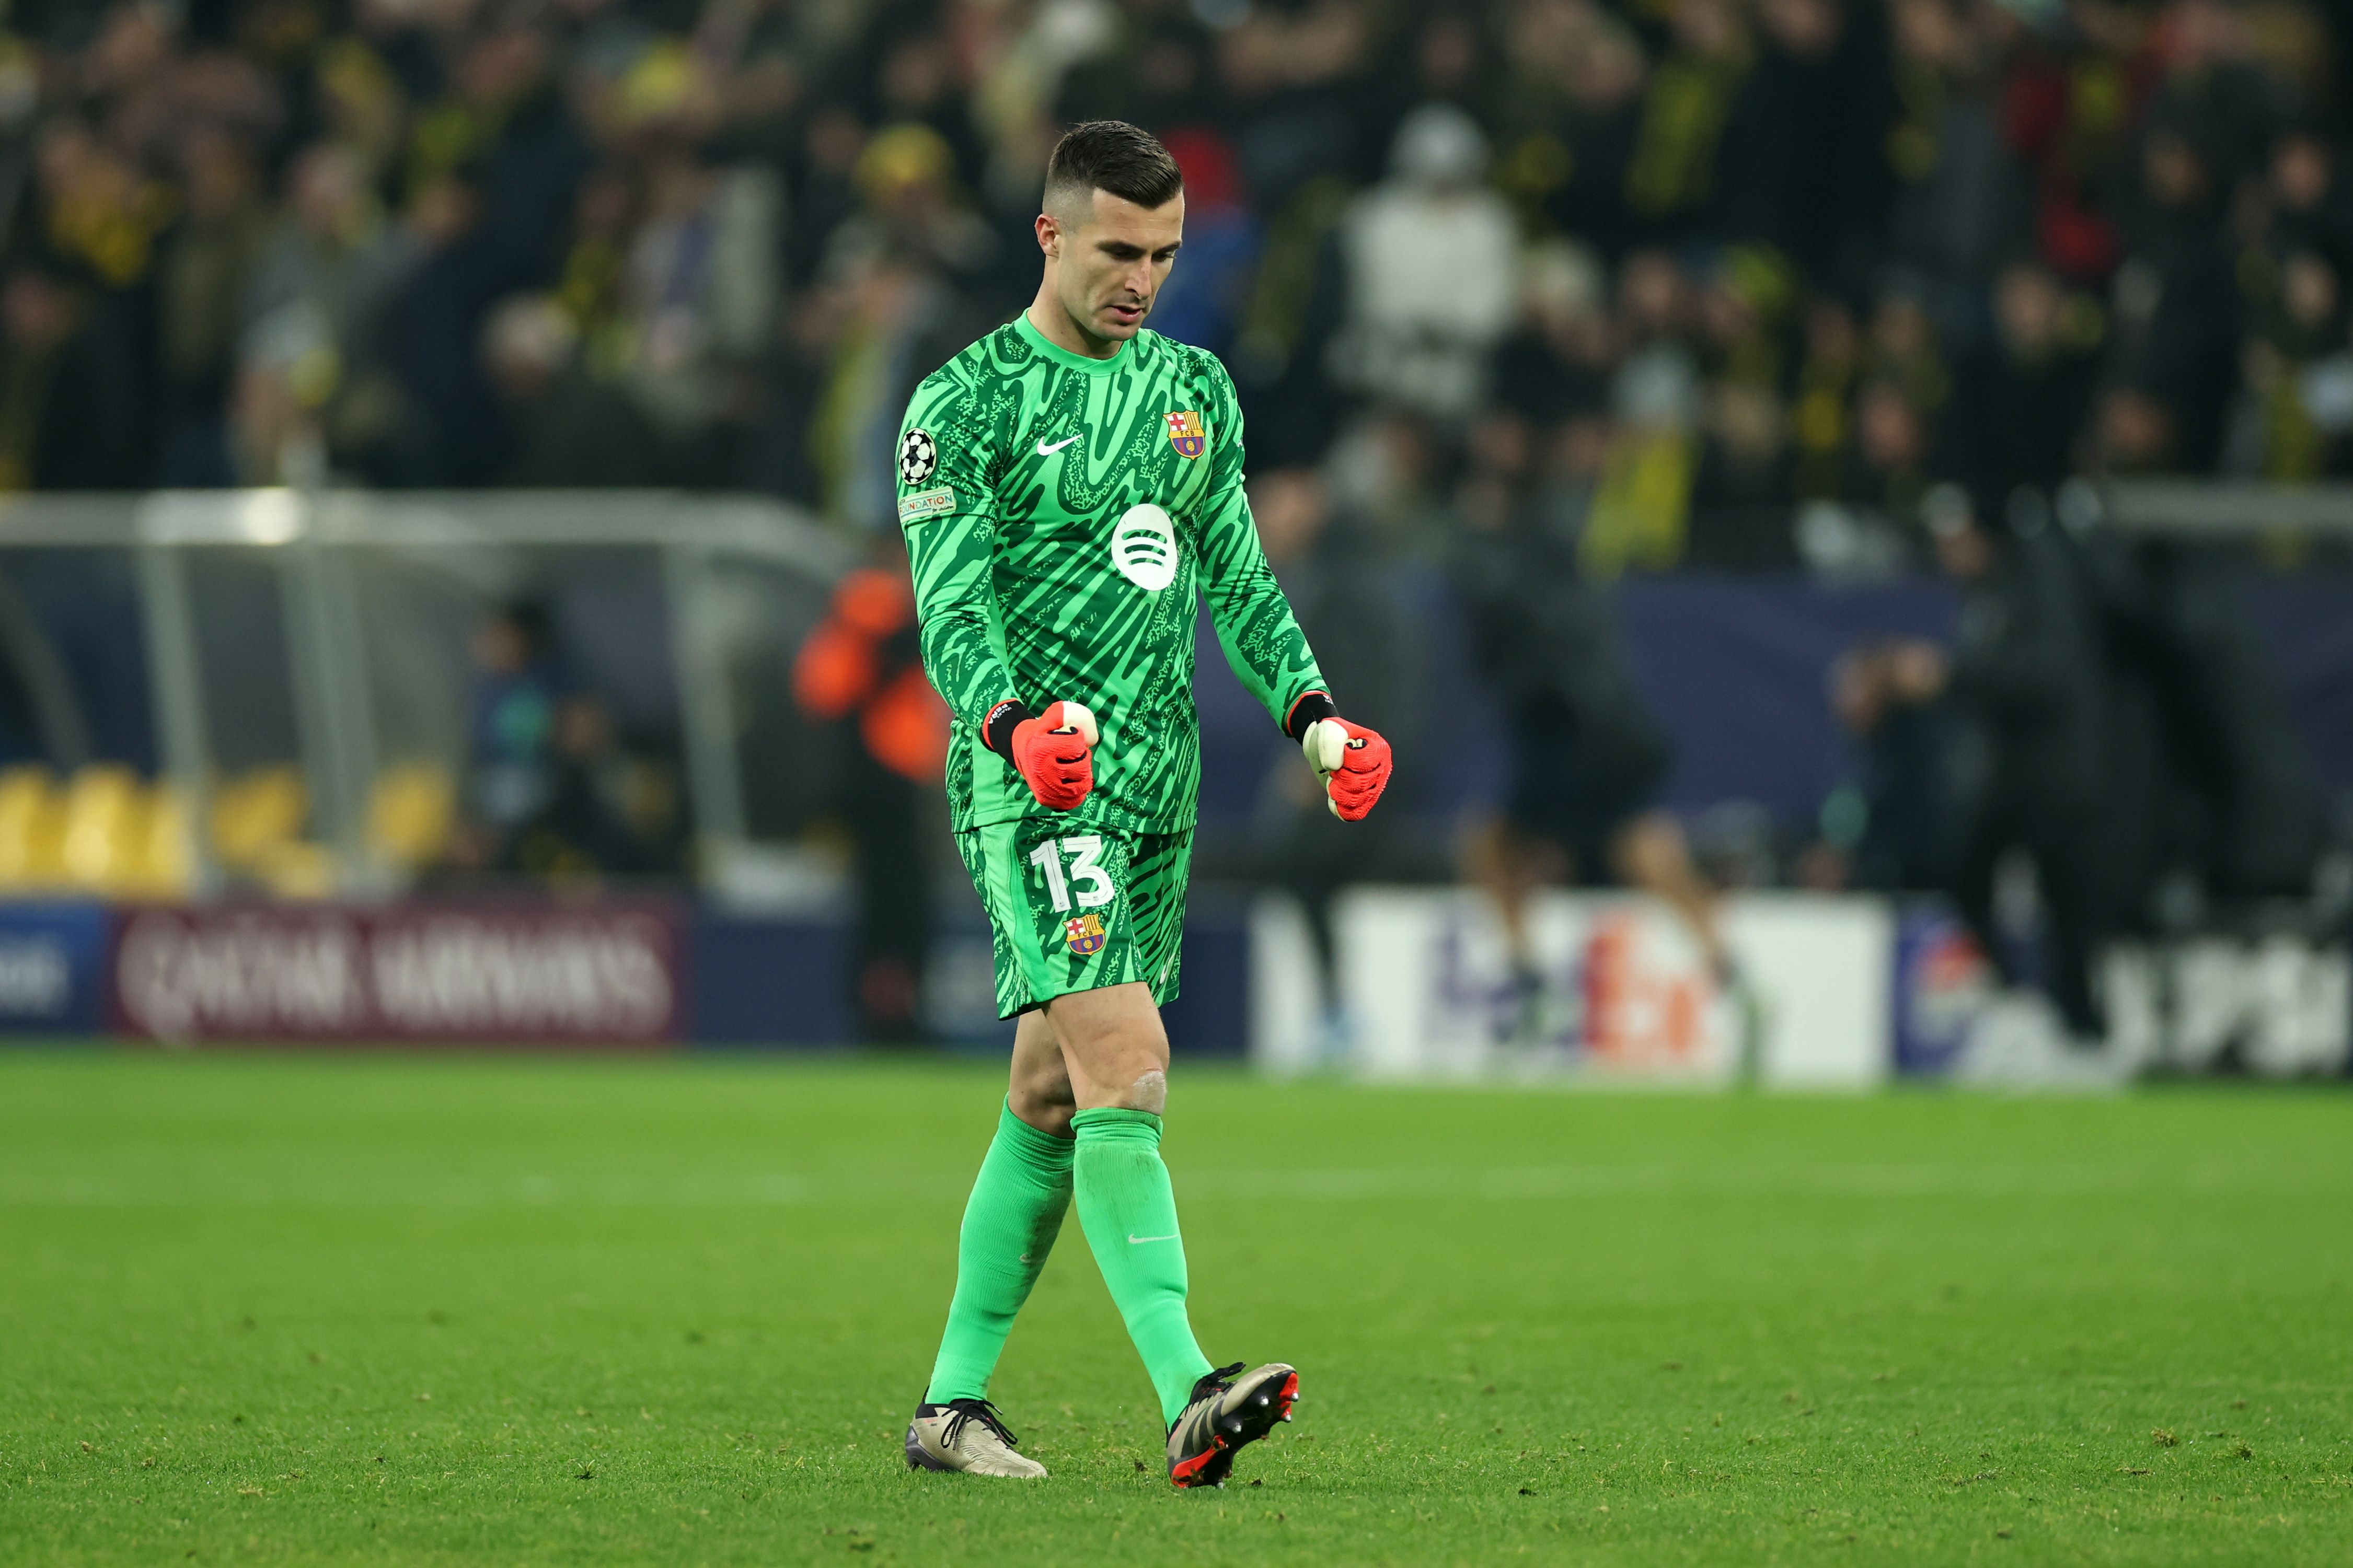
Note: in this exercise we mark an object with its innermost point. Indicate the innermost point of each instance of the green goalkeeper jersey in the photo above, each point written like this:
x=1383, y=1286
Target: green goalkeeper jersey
x=1062, y=513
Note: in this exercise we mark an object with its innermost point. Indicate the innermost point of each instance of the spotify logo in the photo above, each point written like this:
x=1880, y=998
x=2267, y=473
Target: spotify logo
x=1144, y=547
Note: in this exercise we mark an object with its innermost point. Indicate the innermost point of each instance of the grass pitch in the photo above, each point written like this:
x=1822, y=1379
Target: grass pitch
x=434, y=1310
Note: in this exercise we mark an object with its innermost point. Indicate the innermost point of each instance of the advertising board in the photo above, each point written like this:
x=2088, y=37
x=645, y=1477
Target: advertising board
x=1616, y=989
x=601, y=973
x=52, y=968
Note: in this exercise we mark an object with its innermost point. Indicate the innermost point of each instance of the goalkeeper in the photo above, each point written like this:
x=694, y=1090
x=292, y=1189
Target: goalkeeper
x=1066, y=486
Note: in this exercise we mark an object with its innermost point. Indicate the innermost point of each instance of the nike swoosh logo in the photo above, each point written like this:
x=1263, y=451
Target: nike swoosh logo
x=1046, y=451
x=1136, y=1240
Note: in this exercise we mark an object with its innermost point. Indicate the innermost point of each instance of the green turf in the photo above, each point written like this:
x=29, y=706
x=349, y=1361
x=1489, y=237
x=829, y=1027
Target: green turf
x=278, y=1309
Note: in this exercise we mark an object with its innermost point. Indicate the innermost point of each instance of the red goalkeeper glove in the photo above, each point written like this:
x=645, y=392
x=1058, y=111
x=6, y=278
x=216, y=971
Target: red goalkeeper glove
x=1053, y=752
x=1351, y=762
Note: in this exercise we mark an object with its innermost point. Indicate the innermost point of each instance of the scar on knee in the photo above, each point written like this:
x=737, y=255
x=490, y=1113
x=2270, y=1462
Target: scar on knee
x=1150, y=1092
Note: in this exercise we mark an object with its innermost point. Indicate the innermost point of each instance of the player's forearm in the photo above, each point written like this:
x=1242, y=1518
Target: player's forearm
x=962, y=665
x=1268, y=653
x=1261, y=639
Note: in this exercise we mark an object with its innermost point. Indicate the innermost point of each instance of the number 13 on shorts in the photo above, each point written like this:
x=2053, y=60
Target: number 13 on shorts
x=1086, y=882
x=1072, y=912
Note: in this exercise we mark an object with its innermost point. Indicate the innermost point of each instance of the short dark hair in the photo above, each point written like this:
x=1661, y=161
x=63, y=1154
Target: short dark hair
x=1113, y=155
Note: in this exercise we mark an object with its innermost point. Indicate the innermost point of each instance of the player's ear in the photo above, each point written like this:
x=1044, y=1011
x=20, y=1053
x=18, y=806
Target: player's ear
x=1049, y=235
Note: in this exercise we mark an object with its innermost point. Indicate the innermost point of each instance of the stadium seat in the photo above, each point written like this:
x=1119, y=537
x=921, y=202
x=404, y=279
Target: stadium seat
x=32, y=831
x=411, y=811
x=255, y=813
x=104, y=848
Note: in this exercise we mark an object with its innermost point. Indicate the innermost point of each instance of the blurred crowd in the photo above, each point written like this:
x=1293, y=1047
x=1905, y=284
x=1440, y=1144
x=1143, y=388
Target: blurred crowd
x=1746, y=277
x=1522, y=295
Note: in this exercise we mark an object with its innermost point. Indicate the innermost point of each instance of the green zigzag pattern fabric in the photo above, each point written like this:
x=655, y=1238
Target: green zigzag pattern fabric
x=1063, y=515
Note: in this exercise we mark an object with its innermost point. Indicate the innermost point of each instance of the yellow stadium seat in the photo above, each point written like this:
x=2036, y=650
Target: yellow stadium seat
x=256, y=811
x=106, y=828
x=411, y=812
x=32, y=831
x=294, y=869
x=168, y=870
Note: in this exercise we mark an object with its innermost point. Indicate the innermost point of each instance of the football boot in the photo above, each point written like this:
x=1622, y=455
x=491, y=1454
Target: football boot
x=1225, y=1412
x=967, y=1435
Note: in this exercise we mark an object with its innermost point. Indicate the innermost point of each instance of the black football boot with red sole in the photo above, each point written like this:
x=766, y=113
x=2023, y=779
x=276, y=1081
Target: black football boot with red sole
x=1227, y=1412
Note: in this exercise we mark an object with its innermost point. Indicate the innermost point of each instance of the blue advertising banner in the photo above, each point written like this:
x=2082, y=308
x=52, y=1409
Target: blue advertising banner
x=52, y=968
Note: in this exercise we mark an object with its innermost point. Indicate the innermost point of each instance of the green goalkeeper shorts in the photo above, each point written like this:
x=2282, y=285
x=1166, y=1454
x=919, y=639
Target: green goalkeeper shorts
x=1077, y=912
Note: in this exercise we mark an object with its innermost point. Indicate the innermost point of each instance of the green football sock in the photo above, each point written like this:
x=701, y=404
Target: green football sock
x=1130, y=1215
x=1009, y=1225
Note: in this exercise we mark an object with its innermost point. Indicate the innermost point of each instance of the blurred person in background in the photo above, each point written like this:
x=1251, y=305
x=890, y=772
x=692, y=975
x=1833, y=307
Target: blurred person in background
x=2029, y=680
x=861, y=668
x=69, y=384
x=2212, y=810
x=1587, y=758
x=511, y=734
x=2022, y=399
x=1342, y=592
x=1202, y=305
x=1893, y=823
x=207, y=259
x=606, y=815
x=566, y=430
x=315, y=360
x=697, y=297
x=1431, y=260
x=1639, y=513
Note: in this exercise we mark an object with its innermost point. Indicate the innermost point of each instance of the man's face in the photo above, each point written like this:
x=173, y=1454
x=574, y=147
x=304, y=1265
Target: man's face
x=1110, y=260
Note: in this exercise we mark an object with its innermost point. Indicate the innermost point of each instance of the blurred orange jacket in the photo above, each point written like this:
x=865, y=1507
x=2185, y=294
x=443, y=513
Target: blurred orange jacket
x=848, y=664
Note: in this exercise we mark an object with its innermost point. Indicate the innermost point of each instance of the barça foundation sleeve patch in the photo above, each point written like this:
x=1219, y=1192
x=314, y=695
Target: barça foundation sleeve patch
x=927, y=503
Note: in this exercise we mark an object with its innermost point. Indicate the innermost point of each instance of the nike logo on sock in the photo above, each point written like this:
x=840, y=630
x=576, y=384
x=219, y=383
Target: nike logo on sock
x=1046, y=451
x=1136, y=1240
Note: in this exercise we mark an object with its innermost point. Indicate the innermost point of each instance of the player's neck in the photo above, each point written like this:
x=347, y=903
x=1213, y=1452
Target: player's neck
x=1054, y=325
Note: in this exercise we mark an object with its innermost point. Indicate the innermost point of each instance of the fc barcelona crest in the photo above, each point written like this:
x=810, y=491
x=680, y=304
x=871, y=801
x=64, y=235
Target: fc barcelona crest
x=1085, y=935
x=1185, y=434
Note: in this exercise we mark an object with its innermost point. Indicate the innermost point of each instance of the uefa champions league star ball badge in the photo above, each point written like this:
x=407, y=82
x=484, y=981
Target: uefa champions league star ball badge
x=919, y=457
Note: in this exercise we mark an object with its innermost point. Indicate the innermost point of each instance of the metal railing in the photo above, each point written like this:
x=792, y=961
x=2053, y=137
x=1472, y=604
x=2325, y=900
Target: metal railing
x=327, y=551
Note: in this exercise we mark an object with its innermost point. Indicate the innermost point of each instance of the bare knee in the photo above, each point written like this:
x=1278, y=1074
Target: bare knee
x=1115, y=1047
x=1044, y=1100
x=1128, y=1067
x=1149, y=1092
x=1039, y=1087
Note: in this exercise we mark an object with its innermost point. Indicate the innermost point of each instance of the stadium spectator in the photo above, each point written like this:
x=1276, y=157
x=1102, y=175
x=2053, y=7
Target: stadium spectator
x=1747, y=278
x=511, y=734
x=860, y=670
x=1587, y=758
x=1348, y=602
x=568, y=430
x=283, y=242
x=1893, y=823
x=2030, y=681
x=1431, y=269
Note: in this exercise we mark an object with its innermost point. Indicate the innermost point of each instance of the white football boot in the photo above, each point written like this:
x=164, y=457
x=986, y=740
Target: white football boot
x=967, y=1435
